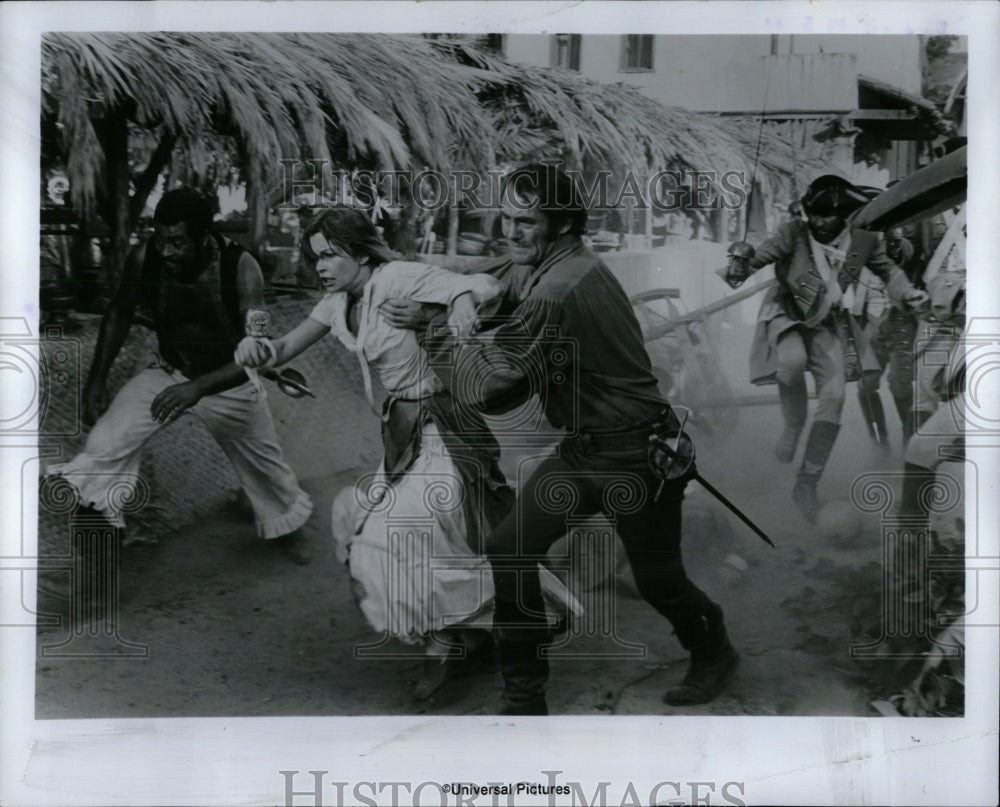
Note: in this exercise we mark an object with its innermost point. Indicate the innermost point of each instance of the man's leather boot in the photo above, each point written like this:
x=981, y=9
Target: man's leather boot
x=822, y=436
x=713, y=659
x=525, y=672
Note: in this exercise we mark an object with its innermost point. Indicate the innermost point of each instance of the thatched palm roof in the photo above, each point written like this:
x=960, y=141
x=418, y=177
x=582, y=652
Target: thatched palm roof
x=611, y=125
x=375, y=101
x=391, y=100
x=282, y=96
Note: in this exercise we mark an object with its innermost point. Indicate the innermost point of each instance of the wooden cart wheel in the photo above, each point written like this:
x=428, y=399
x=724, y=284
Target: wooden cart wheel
x=685, y=362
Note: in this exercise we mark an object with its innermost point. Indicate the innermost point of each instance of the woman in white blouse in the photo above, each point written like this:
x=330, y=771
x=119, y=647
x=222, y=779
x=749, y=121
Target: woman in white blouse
x=413, y=533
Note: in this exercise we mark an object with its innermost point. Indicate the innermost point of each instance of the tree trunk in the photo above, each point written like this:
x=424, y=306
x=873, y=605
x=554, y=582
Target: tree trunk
x=256, y=209
x=113, y=135
x=145, y=184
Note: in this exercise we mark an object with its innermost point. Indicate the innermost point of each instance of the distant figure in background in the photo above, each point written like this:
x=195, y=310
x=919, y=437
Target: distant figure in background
x=894, y=341
x=206, y=292
x=936, y=380
x=797, y=327
x=55, y=275
x=938, y=438
x=866, y=300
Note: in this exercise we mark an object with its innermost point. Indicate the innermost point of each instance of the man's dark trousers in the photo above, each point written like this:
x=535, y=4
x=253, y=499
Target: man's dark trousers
x=581, y=479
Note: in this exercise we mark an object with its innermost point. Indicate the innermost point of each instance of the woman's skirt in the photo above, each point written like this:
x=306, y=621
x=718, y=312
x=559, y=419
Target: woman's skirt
x=411, y=568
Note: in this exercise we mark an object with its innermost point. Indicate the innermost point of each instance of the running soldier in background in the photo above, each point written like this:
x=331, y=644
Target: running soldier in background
x=797, y=327
x=206, y=293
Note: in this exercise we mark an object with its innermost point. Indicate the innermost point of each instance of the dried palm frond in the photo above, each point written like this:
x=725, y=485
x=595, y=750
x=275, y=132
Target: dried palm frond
x=392, y=100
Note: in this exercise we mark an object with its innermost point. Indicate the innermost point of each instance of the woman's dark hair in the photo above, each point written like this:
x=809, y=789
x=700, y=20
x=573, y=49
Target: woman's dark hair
x=349, y=228
x=558, y=197
x=188, y=206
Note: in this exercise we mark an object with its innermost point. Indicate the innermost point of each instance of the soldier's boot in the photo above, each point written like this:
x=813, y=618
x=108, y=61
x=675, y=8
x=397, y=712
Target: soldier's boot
x=525, y=672
x=713, y=658
x=822, y=436
x=794, y=406
x=458, y=652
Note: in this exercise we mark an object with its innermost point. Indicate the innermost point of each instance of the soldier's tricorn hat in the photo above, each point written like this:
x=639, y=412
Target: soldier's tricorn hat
x=830, y=195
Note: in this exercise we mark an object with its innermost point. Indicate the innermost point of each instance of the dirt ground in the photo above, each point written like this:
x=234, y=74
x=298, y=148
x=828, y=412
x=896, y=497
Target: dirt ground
x=214, y=622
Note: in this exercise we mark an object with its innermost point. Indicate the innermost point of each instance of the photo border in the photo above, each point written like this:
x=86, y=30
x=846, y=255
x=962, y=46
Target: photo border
x=209, y=761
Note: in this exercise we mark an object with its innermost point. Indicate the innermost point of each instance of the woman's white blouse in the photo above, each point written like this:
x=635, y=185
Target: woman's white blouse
x=391, y=352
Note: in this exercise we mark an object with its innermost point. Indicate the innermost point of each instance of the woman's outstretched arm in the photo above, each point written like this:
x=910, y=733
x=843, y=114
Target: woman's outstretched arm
x=268, y=353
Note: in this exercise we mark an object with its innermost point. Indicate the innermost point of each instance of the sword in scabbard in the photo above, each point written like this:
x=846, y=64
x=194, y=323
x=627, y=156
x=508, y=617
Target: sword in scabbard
x=851, y=337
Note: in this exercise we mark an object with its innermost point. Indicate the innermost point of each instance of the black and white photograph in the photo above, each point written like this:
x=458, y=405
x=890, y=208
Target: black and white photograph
x=408, y=403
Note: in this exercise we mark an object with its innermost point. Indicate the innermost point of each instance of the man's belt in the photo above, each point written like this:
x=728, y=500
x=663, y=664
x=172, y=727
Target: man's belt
x=631, y=437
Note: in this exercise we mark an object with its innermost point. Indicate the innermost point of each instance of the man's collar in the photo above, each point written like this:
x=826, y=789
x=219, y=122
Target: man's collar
x=563, y=247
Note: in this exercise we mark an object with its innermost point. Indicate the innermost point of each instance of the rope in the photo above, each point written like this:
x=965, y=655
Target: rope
x=756, y=156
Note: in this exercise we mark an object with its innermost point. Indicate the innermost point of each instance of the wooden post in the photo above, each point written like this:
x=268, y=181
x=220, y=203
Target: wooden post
x=451, y=246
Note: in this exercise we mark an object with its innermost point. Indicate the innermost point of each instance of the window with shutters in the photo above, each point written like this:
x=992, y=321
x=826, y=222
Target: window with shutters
x=565, y=51
x=637, y=52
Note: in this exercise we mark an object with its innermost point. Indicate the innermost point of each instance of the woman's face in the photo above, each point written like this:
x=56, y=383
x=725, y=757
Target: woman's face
x=337, y=269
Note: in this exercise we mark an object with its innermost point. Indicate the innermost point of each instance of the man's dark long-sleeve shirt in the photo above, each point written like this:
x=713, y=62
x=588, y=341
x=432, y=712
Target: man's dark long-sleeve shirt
x=572, y=337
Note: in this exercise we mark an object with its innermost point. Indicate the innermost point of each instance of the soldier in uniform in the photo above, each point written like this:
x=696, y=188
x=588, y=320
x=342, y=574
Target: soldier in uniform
x=890, y=333
x=797, y=328
x=206, y=293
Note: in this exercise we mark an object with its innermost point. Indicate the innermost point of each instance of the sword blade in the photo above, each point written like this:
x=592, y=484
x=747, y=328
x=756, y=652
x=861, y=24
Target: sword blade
x=732, y=507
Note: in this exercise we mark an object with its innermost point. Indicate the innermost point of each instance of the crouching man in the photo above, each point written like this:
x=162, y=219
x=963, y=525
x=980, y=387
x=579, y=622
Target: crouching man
x=206, y=293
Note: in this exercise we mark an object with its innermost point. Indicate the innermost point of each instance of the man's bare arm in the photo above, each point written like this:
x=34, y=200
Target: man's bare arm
x=250, y=292
x=115, y=327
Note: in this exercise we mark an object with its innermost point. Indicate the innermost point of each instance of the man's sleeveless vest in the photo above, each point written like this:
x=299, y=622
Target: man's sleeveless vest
x=197, y=324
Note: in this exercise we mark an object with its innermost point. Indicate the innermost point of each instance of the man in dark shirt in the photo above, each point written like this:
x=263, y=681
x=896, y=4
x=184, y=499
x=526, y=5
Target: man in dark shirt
x=205, y=294
x=570, y=335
